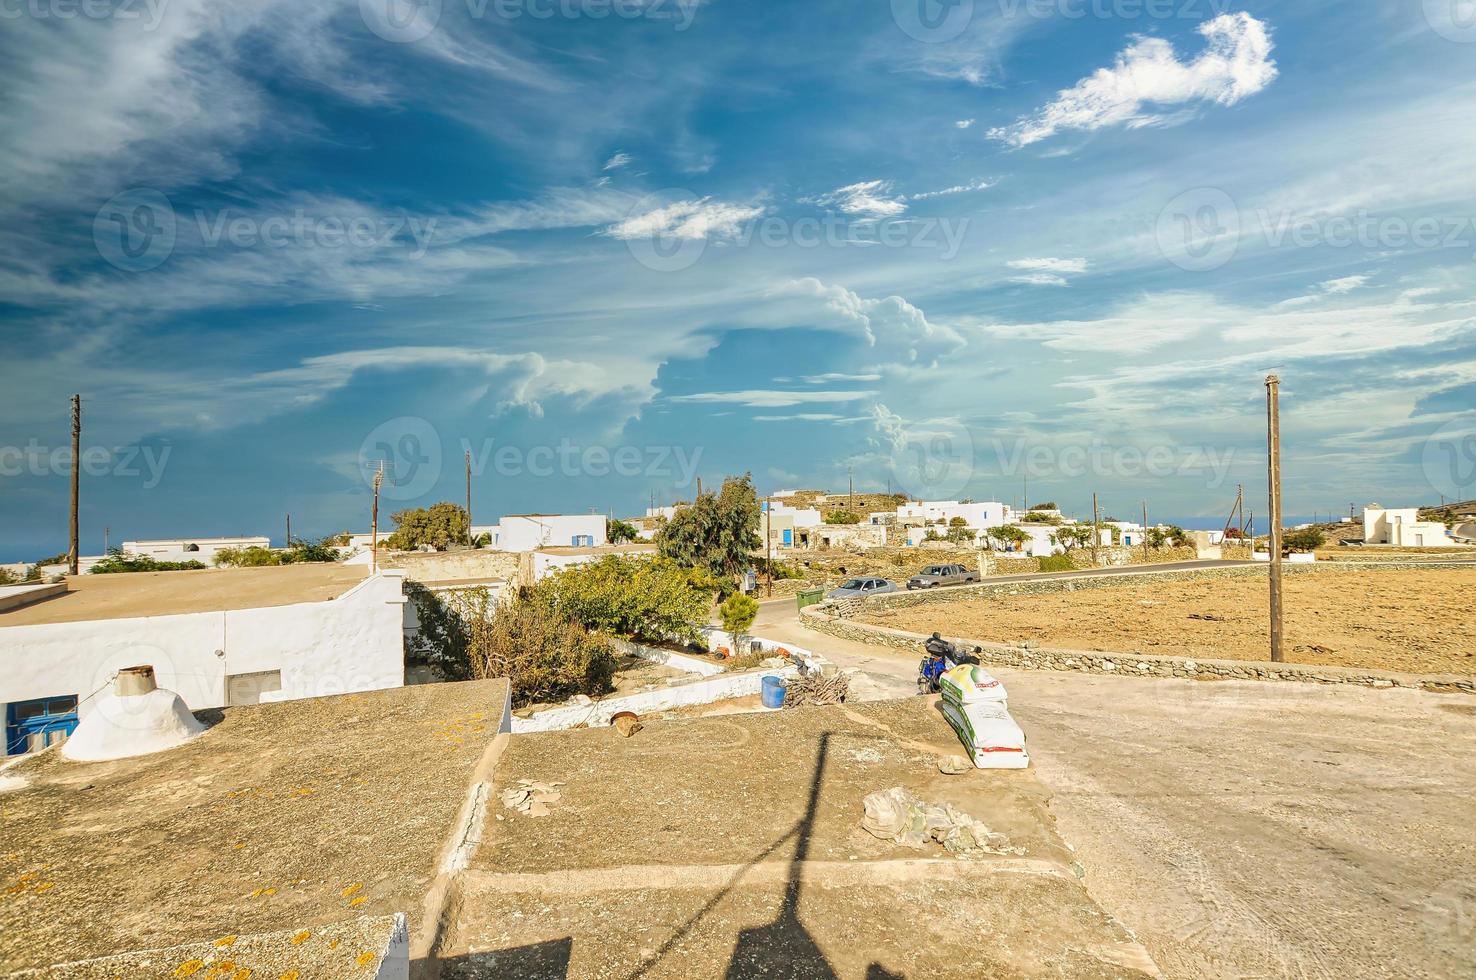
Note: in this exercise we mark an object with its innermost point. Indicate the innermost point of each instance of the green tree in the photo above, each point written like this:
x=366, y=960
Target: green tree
x=1307, y=539
x=957, y=522
x=1073, y=536
x=1163, y=537
x=717, y=531
x=961, y=534
x=619, y=531
x=439, y=526
x=1005, y=537
x=647, y=598
x=117, y=561
x=737, y=615
x=842, y=516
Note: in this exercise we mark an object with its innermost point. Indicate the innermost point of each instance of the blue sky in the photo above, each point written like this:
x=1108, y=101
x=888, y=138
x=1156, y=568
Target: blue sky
x=953, y=248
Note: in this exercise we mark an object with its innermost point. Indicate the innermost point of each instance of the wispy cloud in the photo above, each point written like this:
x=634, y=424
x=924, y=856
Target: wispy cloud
x=964, y=123
x=617, y=161
x=1048, y=271
x=703, y=218
x=973, y=185
x=770, y=398
x=1235, y=65
x=867, y=198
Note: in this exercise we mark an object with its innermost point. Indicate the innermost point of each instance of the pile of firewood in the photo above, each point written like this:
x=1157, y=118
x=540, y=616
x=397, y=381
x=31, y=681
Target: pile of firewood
x=817, y=687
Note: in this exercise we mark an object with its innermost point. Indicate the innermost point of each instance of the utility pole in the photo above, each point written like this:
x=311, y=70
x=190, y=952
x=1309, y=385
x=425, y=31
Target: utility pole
x=107, y=532
x=289, y=530
x=76, y=481
x=374, y=522
x=851, y=479
x=1096, y=531
x=1145, y=530
x=1273, y=474
x=468, y=498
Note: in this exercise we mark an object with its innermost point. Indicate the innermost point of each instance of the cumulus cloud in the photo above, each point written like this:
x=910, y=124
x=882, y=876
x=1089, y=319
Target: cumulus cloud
x=703, y=218
x=889, y=324
x=1235, y=65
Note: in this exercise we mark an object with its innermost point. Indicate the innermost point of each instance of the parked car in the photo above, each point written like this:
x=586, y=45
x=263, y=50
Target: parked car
x=861, y=587
x=936, y=575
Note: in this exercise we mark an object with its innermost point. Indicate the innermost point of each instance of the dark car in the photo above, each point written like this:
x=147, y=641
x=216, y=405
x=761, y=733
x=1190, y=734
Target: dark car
x=936, y=575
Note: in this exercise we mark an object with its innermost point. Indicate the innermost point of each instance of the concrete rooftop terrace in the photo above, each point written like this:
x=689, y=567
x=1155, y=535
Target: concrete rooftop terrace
x=731, y=846
x=126, y=595
x=289, y=816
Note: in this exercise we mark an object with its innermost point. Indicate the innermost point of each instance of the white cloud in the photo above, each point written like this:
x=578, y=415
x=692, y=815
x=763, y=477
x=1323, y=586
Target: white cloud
x=618, y=160
x=1346, y=284
x=1235, y=64
x=1048, y=271
x=703, y=218
x=964, y=123
x=868, y=198
x=834, y=376
x=890, y=324
x=973, y=185
x=1062, y=266
x=770, y=398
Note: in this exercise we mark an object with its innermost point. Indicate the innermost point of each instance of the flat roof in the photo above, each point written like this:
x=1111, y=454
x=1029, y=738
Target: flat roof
x=732, y=846
x=288, y=816
x=123, y=595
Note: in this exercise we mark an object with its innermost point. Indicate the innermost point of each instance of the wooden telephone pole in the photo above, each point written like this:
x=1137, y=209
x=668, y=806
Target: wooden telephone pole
x=1096, y=532
x=374, y=521
x=76, y=481
x=469, y=537
x=1145, y=531
x=769, y=540
x=1273, y=473
x=289, y=530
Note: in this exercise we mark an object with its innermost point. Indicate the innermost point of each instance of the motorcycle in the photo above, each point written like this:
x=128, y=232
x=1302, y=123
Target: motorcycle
x=939, y=657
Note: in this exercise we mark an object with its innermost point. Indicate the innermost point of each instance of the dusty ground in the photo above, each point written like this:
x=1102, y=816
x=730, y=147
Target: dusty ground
x=290, y=815
x=731, y=846
x=1417, y=620
x=1246, y=829
x=128, y=594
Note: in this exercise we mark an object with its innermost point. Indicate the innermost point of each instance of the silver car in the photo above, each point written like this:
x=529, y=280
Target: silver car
x=935, y=575
x=861, y=587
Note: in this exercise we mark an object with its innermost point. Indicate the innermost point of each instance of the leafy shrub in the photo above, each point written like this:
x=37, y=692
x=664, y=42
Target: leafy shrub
x=737, y=614
x=259, y=557
x=117, y=561
x=649, y=598
x=842, y=516
x=957, y=522
x=544, y=655
x=7, y=577
x=1307, y=539
x=618, y=531
x=1056, y=563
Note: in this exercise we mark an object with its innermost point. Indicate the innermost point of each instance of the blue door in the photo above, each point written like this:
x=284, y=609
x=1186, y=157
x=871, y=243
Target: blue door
x=32, y=725
x=788, y=538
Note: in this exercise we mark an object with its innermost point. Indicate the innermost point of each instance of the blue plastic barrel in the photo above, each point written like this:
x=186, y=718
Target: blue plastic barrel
x=773, y=691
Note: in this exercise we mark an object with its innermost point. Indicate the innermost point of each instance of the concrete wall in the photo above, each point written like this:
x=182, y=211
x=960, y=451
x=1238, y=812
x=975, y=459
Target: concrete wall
x=205, y=549
x=351, y=643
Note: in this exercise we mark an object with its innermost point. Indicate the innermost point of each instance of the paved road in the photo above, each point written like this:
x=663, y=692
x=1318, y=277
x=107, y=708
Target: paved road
x=1248, y=829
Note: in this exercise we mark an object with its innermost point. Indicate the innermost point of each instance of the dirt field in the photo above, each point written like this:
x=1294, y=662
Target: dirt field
x=1416, y=620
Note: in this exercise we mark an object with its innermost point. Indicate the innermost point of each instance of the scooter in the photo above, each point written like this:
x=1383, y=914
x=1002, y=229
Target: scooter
x=939, y=658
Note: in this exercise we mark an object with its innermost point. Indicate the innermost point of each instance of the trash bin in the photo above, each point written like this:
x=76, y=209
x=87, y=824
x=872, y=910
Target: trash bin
x=773, y=691
x=808, y=597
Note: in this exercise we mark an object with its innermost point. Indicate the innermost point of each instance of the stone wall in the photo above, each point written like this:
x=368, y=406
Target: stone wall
x=1029, y=657
x=442, y=566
